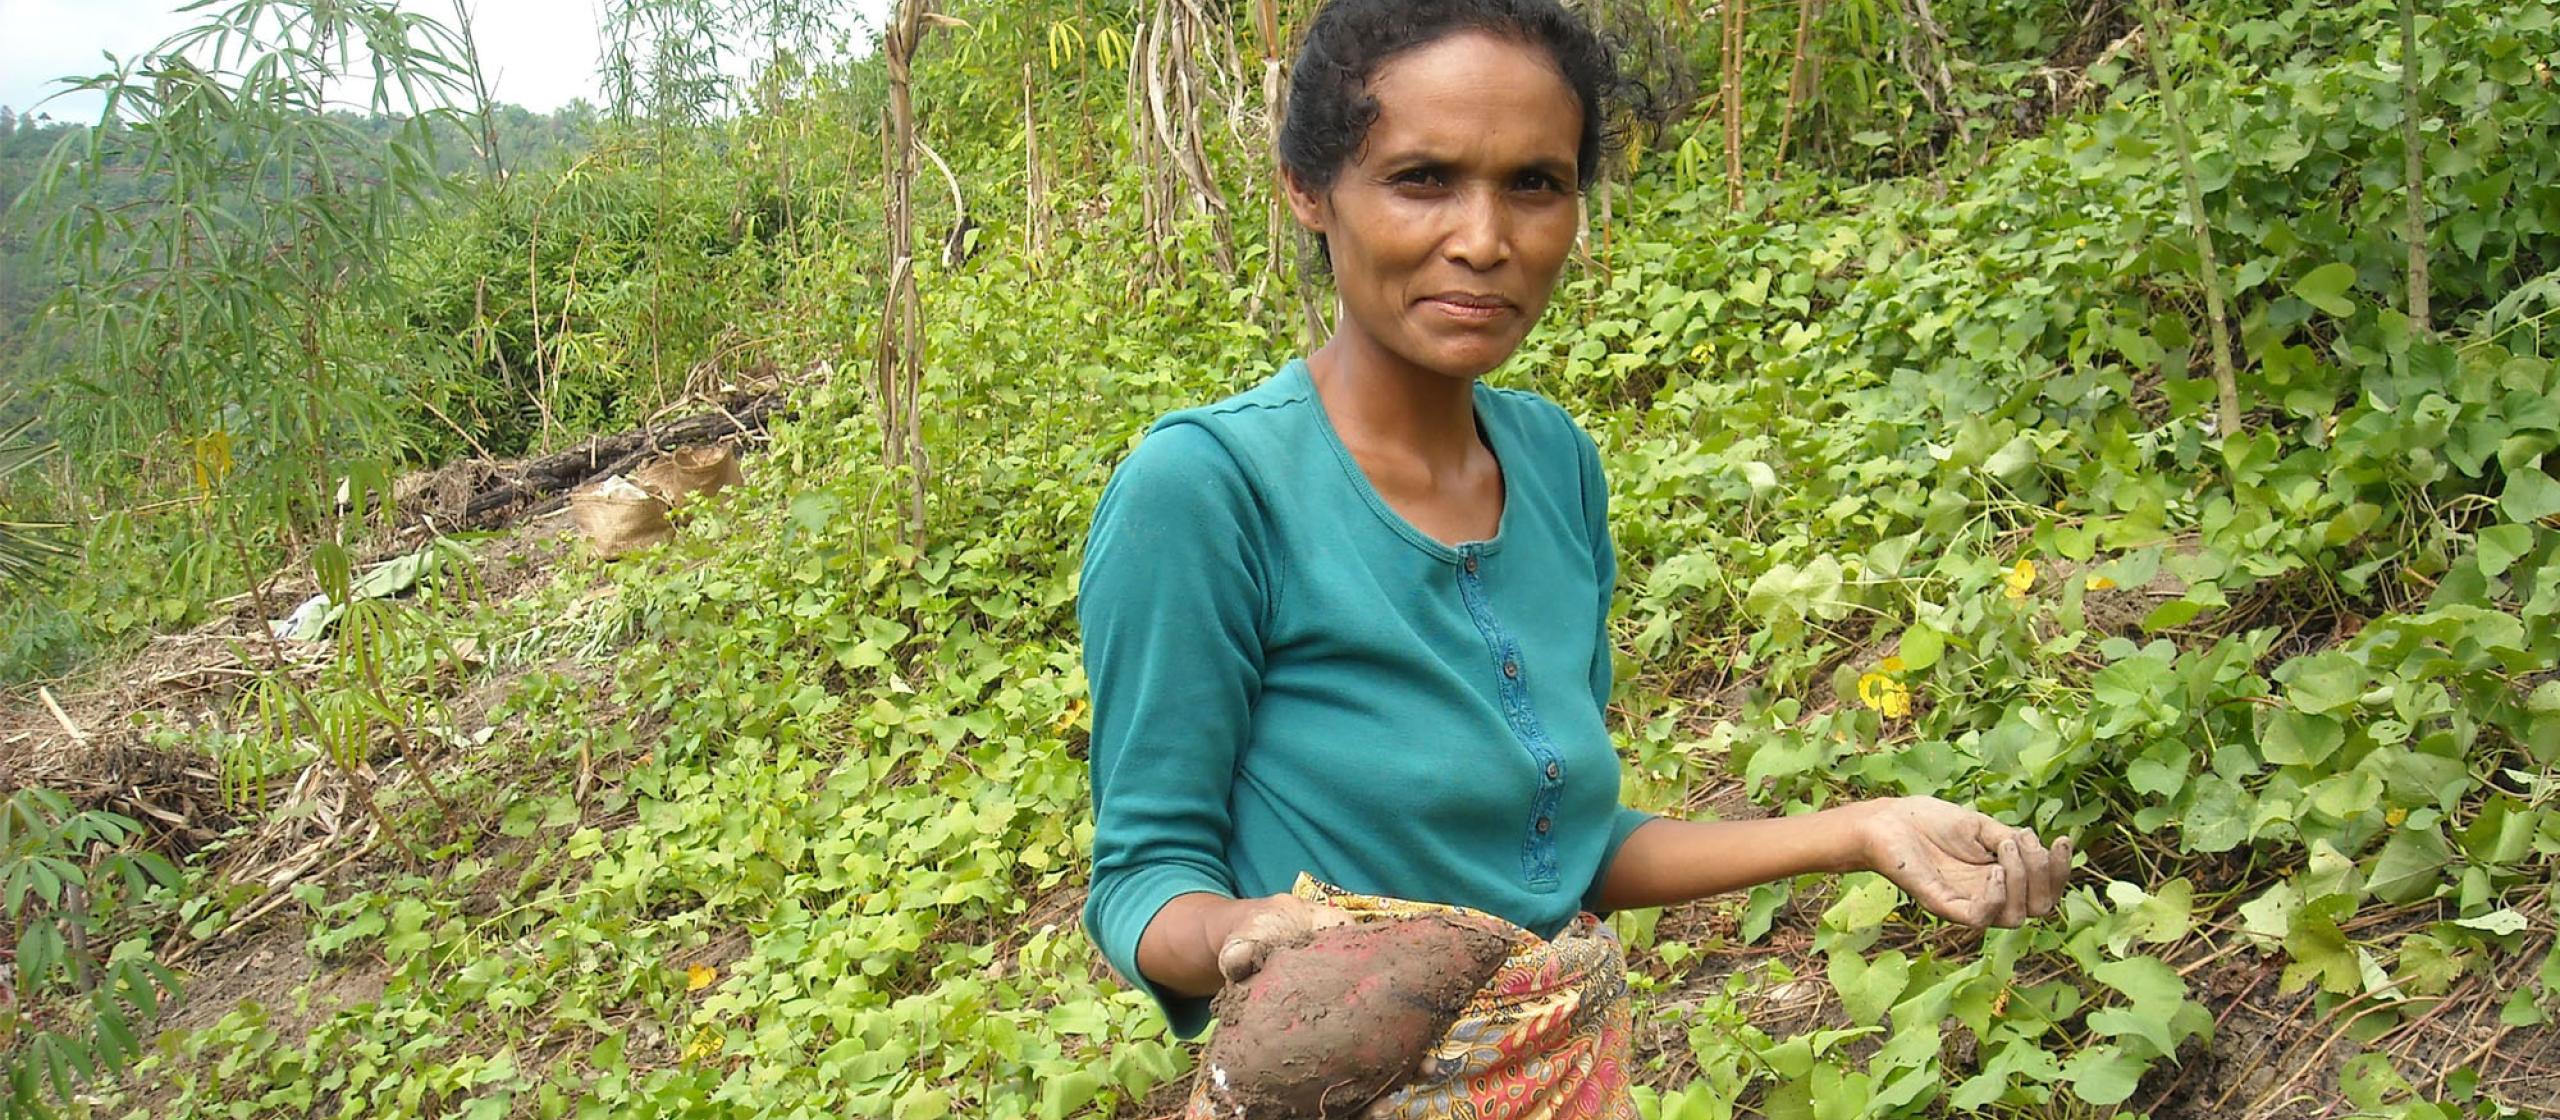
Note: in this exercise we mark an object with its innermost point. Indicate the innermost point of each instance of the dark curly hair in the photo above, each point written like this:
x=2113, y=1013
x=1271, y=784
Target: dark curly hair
x=1331, y=108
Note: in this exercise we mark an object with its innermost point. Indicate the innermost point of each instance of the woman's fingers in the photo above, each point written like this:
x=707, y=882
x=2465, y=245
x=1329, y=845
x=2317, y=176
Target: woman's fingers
x=1967, y=867
x=1242, y=954
x=1240, y=958
x=1976, y=839
x=1976, y=904
x=2061, y=867
x=2038, y=886
x=2014, y=883
x=1282, y=920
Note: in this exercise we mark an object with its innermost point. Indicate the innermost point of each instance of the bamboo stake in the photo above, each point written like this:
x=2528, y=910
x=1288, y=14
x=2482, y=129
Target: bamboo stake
x=2226, y=380
x=2414, y=167
x=1313, y=323
x=901, y=259
x=533, y=300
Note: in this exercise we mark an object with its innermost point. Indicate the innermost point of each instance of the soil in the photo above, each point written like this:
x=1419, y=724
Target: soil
x=1330, y=1024
x=267, y=968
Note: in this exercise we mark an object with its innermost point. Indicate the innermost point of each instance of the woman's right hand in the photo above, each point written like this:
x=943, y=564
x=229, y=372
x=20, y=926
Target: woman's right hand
x=1268, y=924
x=1201, y=942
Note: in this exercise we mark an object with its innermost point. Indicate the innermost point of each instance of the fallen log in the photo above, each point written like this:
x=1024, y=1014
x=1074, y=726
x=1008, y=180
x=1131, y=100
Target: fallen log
x=550, y=479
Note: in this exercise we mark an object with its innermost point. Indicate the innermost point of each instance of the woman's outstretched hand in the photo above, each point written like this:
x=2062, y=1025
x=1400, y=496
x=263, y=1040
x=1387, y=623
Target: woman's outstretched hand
x=1962, y=865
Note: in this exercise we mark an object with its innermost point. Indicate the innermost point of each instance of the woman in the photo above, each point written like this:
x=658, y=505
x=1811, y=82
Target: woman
x=1346, y=629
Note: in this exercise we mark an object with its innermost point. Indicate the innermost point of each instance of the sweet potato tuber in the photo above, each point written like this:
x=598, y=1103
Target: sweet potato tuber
x=1330, y=1024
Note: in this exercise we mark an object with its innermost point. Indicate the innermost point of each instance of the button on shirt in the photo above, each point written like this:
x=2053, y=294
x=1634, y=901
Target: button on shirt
x=1287, y=676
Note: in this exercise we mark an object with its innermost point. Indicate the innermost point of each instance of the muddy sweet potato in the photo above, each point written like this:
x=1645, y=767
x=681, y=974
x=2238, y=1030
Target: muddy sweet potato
x=1328, y=1025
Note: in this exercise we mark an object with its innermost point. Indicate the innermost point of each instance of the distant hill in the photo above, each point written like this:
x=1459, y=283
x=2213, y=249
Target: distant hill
x=527, y=140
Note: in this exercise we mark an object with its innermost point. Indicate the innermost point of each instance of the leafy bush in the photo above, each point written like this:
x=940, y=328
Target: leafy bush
x=73, y=1013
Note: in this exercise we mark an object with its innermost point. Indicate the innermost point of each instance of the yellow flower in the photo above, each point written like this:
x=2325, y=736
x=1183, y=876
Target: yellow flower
x=2019, y=579
x=706, y=1043
x=1893, y=664
x=700, y=976
x=2394, y=817
x=2101, y=583
x=1885, y=694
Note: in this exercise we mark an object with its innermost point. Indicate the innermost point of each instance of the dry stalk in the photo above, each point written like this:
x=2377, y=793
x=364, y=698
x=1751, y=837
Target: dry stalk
x=1035, y=179
x=952, y=253
x=2413, y=167
x=901, y=354
x=1166, y=105
x=2225, y=379
x=1730, y=94
x=78, y=737
x=1805, y=10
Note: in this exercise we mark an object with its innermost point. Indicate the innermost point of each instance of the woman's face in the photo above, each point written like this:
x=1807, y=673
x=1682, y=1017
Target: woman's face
x=1448, y=227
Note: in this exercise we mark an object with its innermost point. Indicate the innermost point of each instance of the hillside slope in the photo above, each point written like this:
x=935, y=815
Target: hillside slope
x=1918, y=488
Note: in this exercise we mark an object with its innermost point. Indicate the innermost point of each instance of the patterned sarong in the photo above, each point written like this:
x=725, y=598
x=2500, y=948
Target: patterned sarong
x=1550, y=1037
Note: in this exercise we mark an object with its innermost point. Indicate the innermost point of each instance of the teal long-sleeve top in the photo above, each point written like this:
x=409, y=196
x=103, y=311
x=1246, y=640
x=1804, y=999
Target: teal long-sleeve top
x=1287, y=676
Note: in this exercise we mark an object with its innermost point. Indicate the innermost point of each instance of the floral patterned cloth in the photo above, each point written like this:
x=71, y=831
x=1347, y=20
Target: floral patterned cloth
x=1550, y=1037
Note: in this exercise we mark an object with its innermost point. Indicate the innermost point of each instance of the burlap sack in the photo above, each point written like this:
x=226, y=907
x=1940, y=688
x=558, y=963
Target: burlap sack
x=689, y=471
x=618, y=517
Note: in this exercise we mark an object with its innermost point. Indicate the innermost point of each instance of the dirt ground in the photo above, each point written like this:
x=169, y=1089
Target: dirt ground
x=114, y=738
x=268, y=967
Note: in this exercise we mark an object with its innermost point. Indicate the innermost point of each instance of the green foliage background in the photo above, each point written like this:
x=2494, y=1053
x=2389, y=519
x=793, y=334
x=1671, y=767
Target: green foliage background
x=1927, y=411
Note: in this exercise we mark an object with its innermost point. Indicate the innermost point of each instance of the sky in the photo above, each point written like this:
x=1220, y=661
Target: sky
x=538, y=53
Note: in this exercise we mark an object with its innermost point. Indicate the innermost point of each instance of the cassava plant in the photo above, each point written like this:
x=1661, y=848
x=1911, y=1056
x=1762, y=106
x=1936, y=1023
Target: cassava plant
x=77, y=996
x=217, y=306
x=27, y=548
